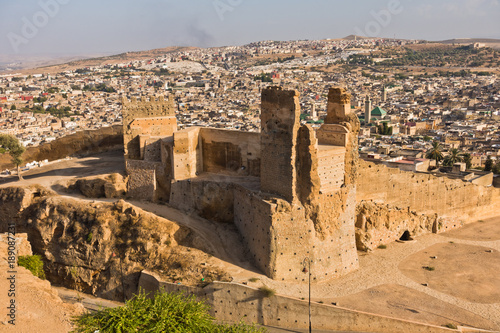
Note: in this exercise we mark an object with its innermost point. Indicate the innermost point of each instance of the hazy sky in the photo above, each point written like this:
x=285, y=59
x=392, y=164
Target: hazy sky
x=30, y=27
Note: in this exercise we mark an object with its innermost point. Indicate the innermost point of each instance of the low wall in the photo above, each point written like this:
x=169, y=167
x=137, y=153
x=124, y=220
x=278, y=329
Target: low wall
x=231, y=302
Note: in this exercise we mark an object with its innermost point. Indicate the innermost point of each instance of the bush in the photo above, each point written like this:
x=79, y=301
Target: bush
x=429, y=268
x=165, y=313
x=268, y=292
x=34, y=264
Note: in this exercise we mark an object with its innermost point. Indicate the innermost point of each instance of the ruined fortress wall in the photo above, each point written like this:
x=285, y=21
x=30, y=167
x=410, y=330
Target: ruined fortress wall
x=391, y=201
x=211, y=200
x=227, y=151
x=142, y=179
x=279, y=128
x=80, y=143
x=426, y=194
x=254, y=219
x=187, y=154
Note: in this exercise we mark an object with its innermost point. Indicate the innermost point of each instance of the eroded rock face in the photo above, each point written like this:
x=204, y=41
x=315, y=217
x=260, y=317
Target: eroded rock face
x=112, y=186
x=95, y=248
x=378, y=224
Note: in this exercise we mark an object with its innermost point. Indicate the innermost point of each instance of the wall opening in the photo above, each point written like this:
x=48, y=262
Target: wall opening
x=406, y=236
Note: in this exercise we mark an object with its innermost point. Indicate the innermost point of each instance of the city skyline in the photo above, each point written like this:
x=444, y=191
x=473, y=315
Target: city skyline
x=76, y=28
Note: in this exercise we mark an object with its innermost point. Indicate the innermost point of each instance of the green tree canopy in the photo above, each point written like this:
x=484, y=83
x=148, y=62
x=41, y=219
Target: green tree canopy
x=488, y=165
x=436, y=152
x=455, y=156
x=14, y=148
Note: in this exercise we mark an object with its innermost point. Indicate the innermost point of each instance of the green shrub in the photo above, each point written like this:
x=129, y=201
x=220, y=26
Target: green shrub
x=383, y=247
x=429, y=268
x=165, y=313
x=452, y=326
x=268, y=292
x=34, y=264
x=253, y=279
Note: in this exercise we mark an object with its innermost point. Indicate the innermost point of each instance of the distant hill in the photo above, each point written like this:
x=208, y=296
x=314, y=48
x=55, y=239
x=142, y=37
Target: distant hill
x=355, y=37
x=469, y=40
x=61, y=64
x=489, y=42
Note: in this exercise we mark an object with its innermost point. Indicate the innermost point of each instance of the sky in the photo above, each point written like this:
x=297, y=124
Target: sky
x=83, y=27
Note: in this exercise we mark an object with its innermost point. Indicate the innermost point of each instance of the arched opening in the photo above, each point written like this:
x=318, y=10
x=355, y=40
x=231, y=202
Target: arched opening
x=406, y=236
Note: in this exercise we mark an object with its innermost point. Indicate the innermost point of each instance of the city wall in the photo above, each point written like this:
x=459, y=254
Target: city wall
x=80, y=143
x=391, y=201
x=230, y=302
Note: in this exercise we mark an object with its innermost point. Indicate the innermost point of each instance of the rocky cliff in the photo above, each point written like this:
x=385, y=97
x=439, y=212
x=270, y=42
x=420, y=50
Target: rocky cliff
x=97, y=247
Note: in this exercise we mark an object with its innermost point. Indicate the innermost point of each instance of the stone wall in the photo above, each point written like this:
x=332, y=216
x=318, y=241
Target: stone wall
x=187, y=159
x=80, y=143
x=391, y=201
x=280, y=122
x=230, y=302
x=232, y=152
x=142, y=179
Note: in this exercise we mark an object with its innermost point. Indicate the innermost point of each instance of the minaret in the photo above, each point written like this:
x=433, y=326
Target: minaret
x=368, y=110
x=384, y=94
x=314, y=114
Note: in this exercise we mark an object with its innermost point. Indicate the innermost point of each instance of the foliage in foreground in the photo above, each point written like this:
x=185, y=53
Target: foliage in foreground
x=165, y=313
x=34, y=264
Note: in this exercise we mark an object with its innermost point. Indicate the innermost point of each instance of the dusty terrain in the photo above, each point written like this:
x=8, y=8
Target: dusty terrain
x=462, y=289
x=39, y=308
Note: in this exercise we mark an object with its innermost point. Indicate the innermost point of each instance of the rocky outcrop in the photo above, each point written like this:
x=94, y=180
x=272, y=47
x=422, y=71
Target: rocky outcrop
x=98, y=248
x=112, y=186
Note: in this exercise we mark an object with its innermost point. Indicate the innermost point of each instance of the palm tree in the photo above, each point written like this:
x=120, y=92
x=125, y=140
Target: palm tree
x=455, y=156
x=435, y=153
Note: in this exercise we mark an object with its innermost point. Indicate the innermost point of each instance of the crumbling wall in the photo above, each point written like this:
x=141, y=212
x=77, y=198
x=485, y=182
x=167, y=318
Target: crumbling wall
x=187, y=160
x=391, y=201
x=80, y=143
x=211, y=200
x=142, y=179
x=426, y=194
x=280, y=121
x=232, y=152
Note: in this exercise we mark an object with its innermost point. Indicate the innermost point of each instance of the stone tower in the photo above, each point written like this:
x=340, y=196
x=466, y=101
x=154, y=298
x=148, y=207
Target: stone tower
x=144, y=119
x=368, y=110
x=307, y=199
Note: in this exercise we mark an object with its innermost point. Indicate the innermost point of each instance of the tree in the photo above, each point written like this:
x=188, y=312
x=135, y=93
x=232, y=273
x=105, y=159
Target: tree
x=15, y=149
x=12, y=107
x=496, y=169
x=454, y=157
x=435, y=153
x=488, y=165
x=467, y=160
